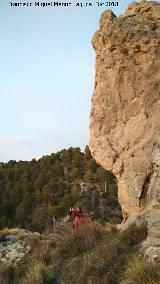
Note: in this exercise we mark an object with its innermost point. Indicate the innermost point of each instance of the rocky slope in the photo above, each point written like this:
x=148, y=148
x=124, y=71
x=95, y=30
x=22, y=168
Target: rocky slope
x=125, y=115
x=16, y=244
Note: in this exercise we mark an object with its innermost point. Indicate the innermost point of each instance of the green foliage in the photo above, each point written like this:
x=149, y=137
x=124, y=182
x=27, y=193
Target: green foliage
x=76, y=173
x=89, y=176
x=101, y=174
x=30, y=191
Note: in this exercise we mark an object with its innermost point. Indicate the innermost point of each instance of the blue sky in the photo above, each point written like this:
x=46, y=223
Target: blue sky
x=47, y=67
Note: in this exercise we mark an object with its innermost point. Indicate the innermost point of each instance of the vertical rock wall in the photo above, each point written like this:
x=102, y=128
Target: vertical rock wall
x=125, y=114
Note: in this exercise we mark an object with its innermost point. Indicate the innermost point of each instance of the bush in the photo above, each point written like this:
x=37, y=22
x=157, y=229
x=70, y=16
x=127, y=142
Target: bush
x=81, y=239
x=140, y=272
x=133, y=235
x=102, y=264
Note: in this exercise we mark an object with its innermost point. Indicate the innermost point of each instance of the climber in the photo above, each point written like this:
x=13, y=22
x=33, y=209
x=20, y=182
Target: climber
x=78, y=217
x=72, y=213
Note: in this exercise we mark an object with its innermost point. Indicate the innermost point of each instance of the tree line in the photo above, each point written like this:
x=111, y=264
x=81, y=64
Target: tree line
x=32, y=190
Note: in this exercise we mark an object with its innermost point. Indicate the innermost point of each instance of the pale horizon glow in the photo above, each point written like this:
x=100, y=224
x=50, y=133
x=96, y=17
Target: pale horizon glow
x=47, y=76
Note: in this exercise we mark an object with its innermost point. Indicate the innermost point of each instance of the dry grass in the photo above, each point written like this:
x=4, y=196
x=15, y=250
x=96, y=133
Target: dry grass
x=7, y=273
x=36, y=274
x=91, y=254
x=37, y=271
x=101, y=265
x=46, y=254
x=14, y=231
x=32, y=240
x=80, y=240
x=94, y=267
x=3, y=234
x=140, y=272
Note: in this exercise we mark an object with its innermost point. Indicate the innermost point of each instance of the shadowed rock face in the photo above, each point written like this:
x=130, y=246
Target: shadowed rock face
x=125, y=115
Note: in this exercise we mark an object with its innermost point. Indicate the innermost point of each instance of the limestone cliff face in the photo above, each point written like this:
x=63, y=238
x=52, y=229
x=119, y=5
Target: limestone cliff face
x=125, y=115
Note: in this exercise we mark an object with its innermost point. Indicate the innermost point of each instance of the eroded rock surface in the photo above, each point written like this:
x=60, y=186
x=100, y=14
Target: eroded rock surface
x=125, y=115
x=13, y=250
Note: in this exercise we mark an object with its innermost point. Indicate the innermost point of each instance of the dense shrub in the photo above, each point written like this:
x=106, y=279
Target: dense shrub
x=133, y=235
x=102, y=264
x=81, y=239
x=93, y=258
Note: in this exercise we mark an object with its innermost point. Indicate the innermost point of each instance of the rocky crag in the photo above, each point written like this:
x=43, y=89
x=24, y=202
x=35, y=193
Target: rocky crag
x=125, y=115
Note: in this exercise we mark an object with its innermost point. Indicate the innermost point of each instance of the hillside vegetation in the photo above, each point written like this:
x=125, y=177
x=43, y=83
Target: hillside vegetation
x=92, y=253
x=32, y=191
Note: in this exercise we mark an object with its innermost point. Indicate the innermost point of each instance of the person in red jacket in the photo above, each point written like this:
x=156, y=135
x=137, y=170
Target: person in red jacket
x=72, y=213
x=78, y=217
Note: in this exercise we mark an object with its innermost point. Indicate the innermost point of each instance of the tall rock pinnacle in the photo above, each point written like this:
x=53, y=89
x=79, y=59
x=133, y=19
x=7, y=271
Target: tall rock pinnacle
x=125, y=114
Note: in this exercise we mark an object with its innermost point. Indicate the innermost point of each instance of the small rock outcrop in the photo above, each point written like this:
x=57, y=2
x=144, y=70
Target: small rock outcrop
x=12, y=250
x=125, y=115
